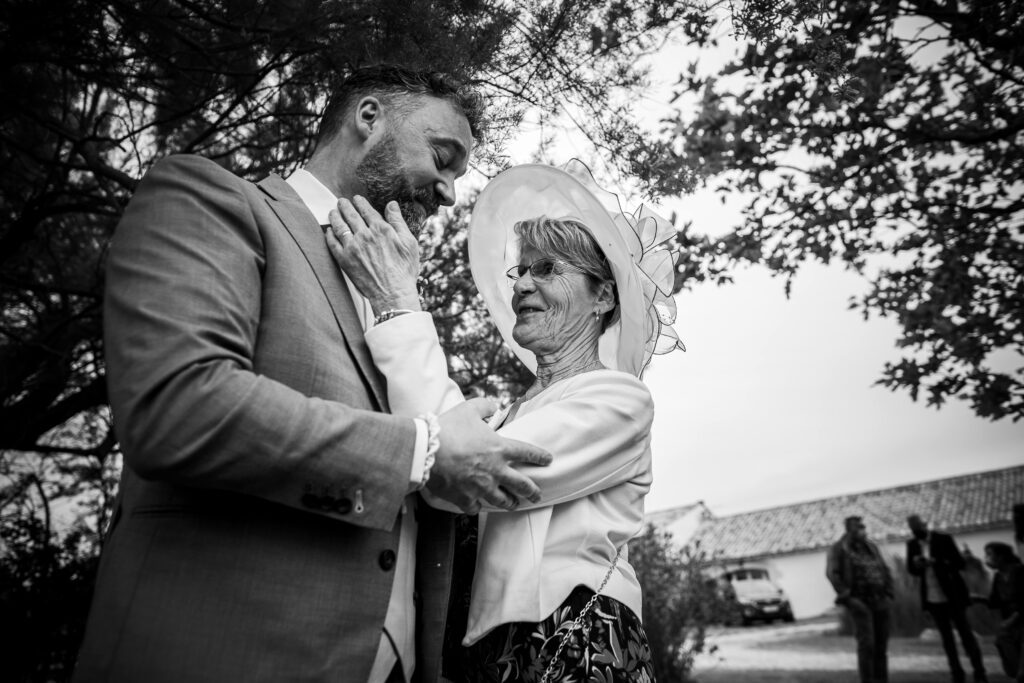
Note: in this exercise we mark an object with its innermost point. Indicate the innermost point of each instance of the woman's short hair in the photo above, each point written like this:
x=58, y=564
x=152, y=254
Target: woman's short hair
x=1000, y=551
x=570, y=241
x=393, y=85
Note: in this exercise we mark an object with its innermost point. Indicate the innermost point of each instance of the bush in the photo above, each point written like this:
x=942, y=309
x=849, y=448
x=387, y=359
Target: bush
x=679, y=603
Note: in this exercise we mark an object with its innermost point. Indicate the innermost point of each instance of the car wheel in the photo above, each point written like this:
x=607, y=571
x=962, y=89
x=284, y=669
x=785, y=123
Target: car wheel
x=788, y=618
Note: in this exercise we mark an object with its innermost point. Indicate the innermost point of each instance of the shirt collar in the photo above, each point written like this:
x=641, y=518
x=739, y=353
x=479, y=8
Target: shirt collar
x=314, y=194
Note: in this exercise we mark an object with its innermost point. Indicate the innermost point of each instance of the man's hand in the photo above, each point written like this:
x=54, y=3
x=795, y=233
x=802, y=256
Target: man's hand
x=474, y=464
x=856, y=605
x=381, y=257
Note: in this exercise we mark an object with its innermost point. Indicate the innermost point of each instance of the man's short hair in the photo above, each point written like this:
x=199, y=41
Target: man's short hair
x=393, y=84
x=1000, y=551
x=850, y=522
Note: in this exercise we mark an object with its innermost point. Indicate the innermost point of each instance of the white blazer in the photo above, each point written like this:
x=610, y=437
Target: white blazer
x=596, y=426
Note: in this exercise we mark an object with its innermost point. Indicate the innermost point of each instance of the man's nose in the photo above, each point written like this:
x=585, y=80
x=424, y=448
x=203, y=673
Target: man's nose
x=445, y=190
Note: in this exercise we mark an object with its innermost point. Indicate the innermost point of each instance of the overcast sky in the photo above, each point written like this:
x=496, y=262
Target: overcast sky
x=774, y=402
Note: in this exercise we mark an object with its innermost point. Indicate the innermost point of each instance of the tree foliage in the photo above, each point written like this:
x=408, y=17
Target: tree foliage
x=886, y=136
x=96, y=92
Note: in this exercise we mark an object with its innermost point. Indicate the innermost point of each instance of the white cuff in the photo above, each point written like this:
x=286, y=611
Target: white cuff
x=419, y=455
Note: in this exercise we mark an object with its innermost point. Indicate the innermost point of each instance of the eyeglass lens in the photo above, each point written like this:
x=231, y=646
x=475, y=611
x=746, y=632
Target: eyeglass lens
x=541, y=268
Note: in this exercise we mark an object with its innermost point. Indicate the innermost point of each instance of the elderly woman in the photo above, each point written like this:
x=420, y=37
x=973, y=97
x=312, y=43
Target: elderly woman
x=553, y=595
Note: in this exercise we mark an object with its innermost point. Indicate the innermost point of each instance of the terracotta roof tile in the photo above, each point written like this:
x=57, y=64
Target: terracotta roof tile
x=972, y=502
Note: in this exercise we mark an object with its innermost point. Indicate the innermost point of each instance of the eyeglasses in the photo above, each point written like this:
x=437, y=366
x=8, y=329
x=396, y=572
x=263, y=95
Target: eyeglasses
x=542, y=269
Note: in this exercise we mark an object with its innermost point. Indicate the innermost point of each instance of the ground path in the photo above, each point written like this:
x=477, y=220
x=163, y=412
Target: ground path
x=813, y=652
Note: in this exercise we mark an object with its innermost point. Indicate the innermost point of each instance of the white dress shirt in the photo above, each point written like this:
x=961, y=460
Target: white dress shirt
x=597, y=427
x=398, y=641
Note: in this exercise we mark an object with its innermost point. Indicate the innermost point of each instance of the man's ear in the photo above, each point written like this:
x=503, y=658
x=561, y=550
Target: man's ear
x=368, y=116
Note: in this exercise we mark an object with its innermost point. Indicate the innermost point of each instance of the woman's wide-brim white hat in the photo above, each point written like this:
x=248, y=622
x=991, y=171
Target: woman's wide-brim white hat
x=533, y=190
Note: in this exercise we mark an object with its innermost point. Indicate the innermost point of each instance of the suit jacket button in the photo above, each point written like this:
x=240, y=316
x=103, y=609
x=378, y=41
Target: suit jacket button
x=387, y=560
x=342, y=506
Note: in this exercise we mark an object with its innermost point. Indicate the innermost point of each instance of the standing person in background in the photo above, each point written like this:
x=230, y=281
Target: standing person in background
x=1008, y=598
x=933, y=557
x=863, y=585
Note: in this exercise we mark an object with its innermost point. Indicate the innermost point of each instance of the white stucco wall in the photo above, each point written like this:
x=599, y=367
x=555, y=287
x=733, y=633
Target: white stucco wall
x=802, y=575
x=685, y=527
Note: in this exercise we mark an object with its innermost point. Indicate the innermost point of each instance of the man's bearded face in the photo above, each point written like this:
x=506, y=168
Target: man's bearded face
x=382, y=175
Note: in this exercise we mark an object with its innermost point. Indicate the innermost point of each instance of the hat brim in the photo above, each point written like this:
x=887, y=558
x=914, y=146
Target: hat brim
x=533, y=190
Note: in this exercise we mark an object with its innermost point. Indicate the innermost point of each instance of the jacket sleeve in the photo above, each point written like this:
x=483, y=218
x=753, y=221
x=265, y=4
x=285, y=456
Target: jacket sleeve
x=182, y=314
x=913, y=552
x=834, y=570
x=1016, y=589
x=598, y=432
x=407, y=352
x=951, y=555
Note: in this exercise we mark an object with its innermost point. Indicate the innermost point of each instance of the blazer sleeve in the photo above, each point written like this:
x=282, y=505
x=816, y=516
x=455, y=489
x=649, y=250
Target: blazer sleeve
x=913, y=552
x=834, y=570
x=1015, y=580
x=598, y=433
x=951, y=555
x=182, y=313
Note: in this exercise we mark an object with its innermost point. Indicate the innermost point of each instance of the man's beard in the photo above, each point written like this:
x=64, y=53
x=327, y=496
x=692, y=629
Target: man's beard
x=380, y=172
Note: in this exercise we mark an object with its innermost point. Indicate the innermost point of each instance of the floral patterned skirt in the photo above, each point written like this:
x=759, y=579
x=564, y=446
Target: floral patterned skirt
x=609, y=646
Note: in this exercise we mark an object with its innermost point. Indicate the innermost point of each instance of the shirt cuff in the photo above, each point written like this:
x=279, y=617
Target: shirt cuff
x=419, y=455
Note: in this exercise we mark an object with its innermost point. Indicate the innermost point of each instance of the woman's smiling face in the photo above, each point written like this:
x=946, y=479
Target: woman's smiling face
x=554, y=312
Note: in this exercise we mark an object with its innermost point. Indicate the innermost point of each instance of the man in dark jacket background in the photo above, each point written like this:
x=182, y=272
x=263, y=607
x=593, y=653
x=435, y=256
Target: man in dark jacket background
x=933, y=557
x=1007, y=598
x=863, y=585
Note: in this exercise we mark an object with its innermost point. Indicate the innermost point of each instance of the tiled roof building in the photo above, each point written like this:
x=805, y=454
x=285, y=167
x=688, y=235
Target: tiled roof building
x=974, y=502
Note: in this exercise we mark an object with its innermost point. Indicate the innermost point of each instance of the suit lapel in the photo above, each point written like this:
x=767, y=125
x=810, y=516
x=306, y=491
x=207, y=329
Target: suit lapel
x=309, y=237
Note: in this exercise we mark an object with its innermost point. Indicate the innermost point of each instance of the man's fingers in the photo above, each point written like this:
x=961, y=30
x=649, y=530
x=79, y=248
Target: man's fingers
x=500, y=499
x=524, y=453
x=518, y=486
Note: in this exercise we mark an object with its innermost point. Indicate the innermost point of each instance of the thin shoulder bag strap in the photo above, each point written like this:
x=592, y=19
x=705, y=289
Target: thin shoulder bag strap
x=578, y=621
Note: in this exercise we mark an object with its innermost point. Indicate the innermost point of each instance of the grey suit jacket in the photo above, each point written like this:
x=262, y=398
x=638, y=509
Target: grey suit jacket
x=255, y=530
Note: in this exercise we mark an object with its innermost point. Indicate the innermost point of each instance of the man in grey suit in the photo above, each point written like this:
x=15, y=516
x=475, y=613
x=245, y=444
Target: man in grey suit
x=267, y=526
